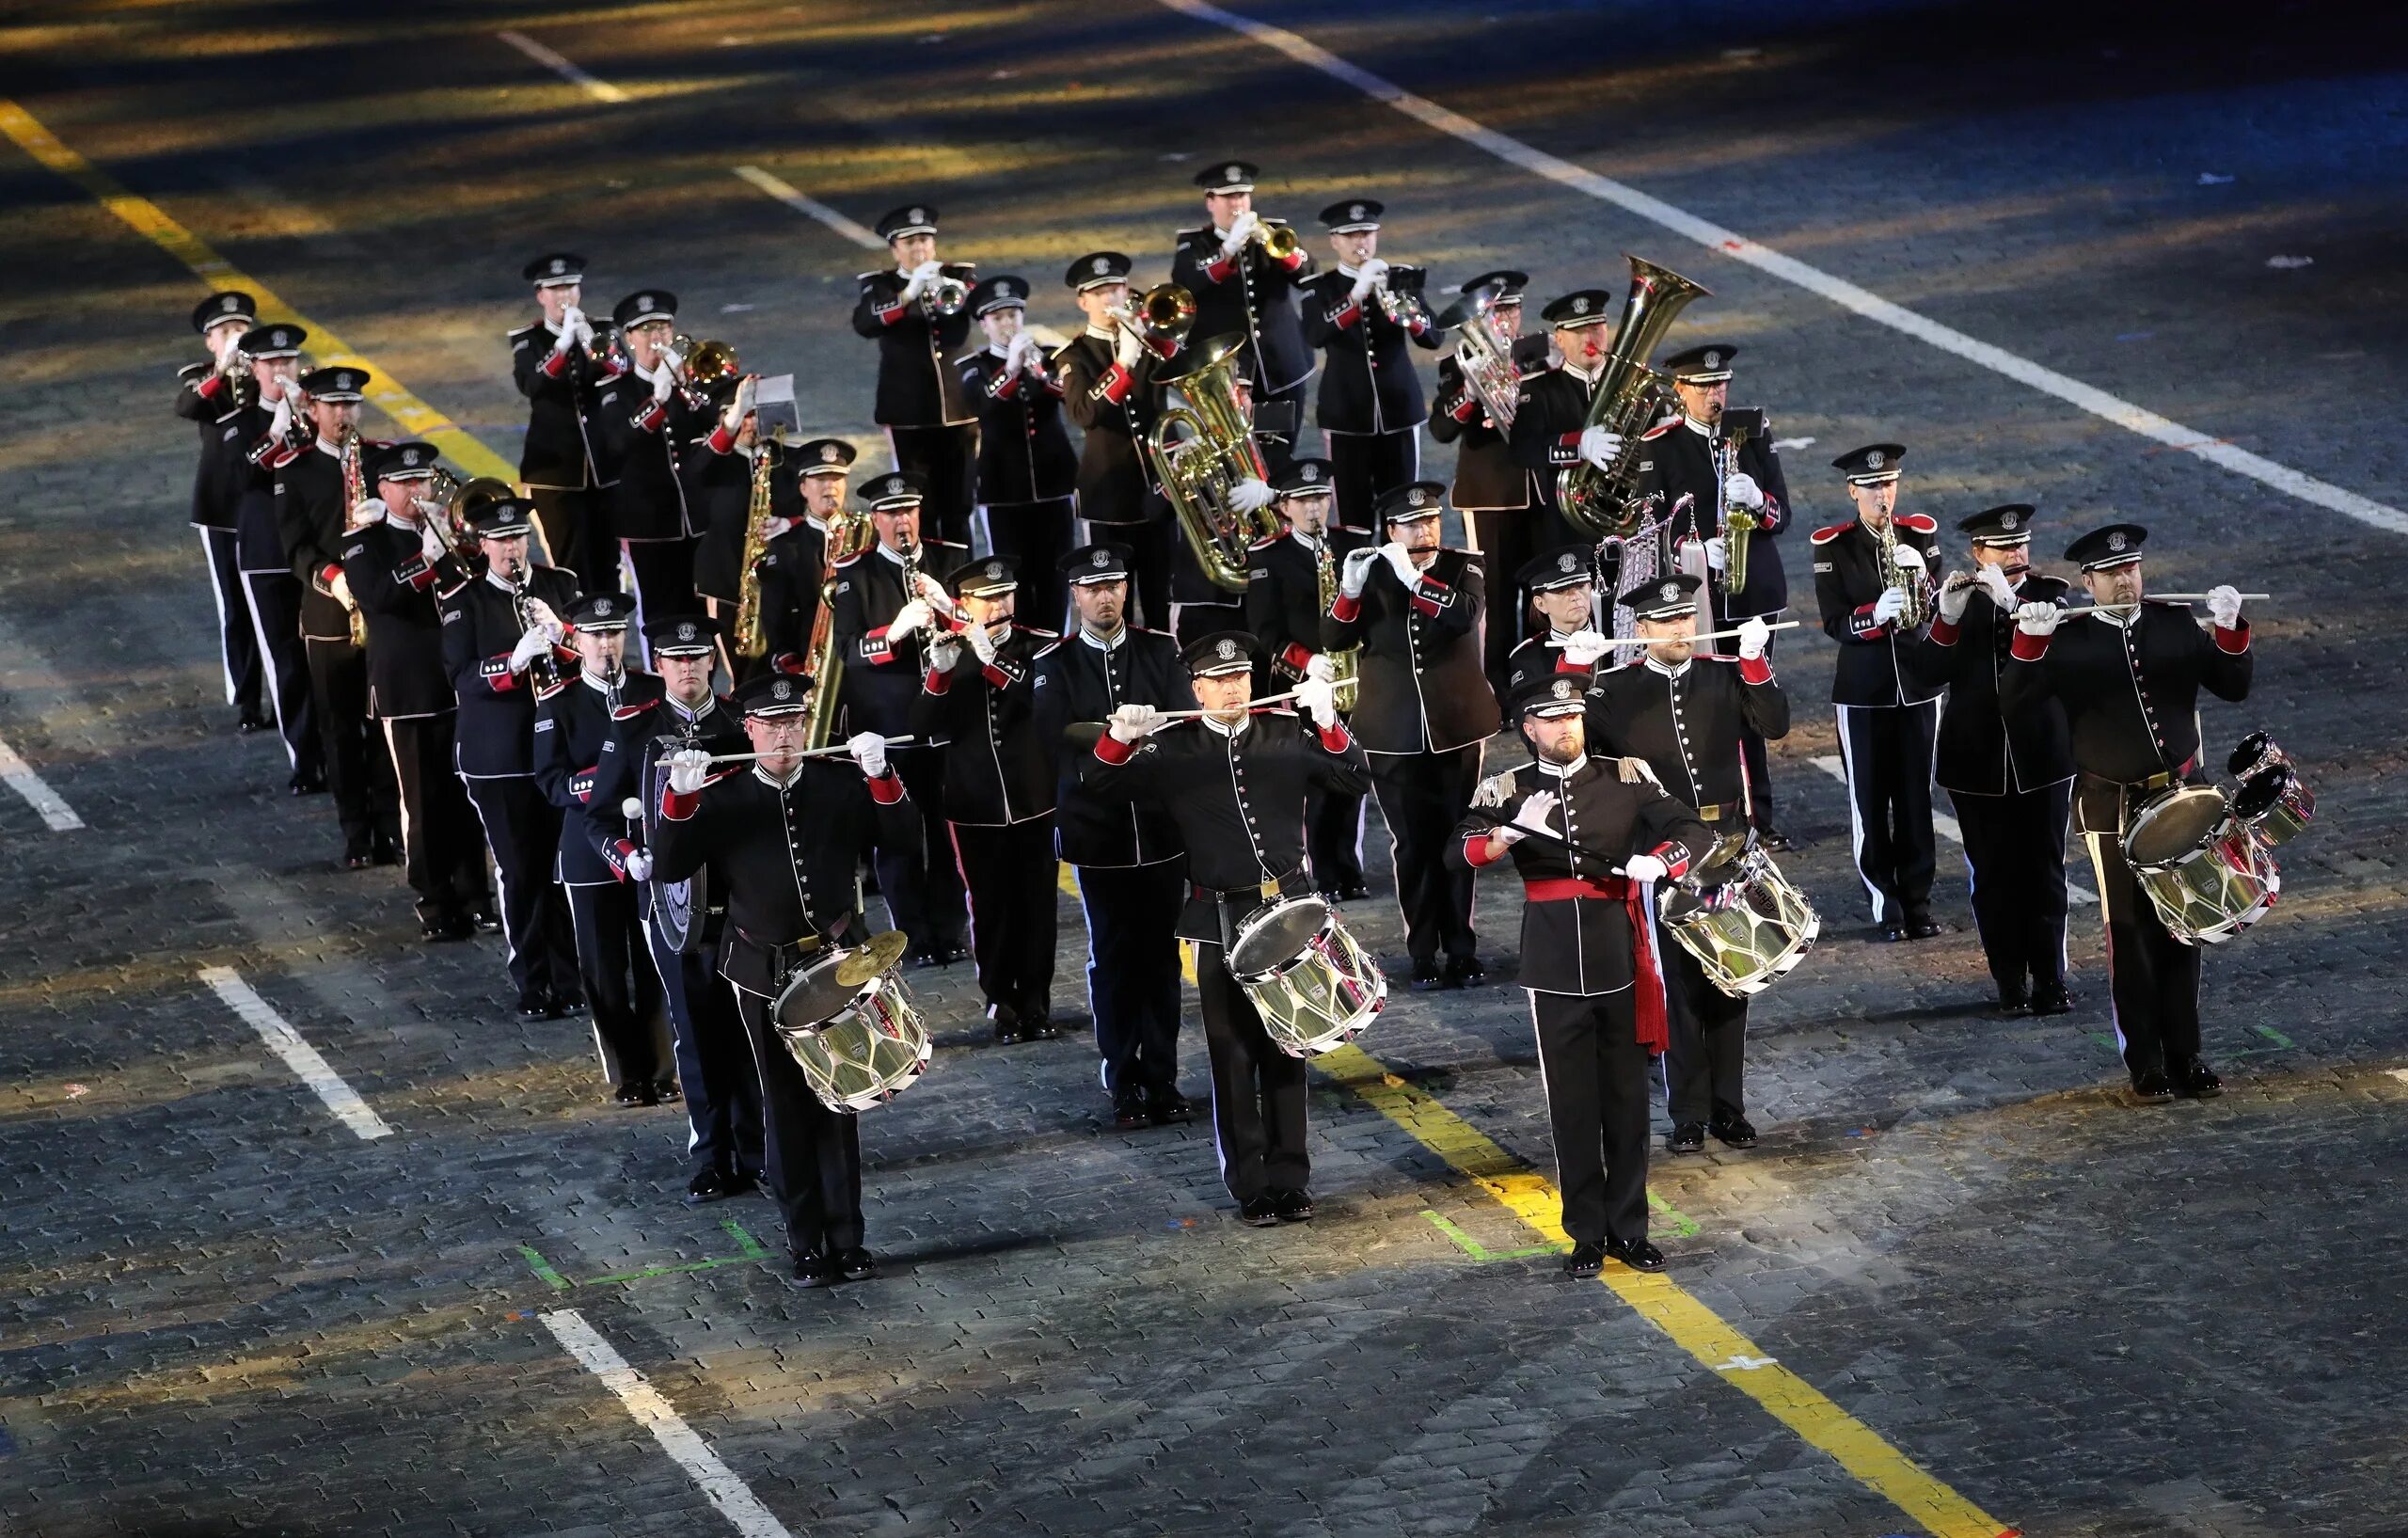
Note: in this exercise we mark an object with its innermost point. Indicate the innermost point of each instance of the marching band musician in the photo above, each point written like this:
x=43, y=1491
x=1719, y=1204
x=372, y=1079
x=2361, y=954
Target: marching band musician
x=931, y=423
x=1234, y=784
x=1680, y=474
x=644, y=424
x=1492, y=488
x=1371, y=408
x=1888, y=714
x=785, y=837
x=1562, y=588
x=715, y=1072
x=979, y=694
x=551, y=358
x=1242, y=288
x=1131, y=871
x=793, y=566
x=1284, y=579
x=886, y=605
x=1027, y=471
x=622, y=987
x=1590, y=848
x=211, y=395
x=316, y=499
x=1686, y=715
x=505, y=656
x=1548, y=433
x=397, y=568
x=1422, y=708
x=2009, y=777
x=1109, y=374
x=718, y=473
x=2129, y=674
x=267, y=433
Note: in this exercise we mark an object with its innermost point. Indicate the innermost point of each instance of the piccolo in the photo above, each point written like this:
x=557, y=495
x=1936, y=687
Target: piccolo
x=1710, y=635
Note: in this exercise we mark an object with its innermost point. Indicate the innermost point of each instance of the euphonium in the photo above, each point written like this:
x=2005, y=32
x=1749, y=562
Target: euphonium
x=1482, y=355
x=1598, y=501
x=751, y=630
x=849, y=534
x=1200, y=451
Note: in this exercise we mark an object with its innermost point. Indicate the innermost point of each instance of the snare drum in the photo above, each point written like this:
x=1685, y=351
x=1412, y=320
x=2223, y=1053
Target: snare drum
x=2205, y=870
x=858, y=1047
x=2276, y=803
x=1310, y=982
x=1749, y=929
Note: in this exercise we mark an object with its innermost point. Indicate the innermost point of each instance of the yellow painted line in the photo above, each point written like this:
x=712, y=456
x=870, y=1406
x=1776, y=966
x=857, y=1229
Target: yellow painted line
x=1065, y=879
x=1663, y=1303
x=147, y=219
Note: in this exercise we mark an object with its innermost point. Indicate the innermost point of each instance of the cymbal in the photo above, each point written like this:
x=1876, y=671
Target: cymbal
x=874, y=960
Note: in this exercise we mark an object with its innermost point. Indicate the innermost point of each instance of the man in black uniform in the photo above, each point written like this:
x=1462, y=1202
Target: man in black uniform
x=931, y=423
x=1371, y=408
x=503, y=645
x=1242, y=288
x=1131, y=871
x=1027, y=471
x=1422, y=710
x=644, y=424
x=552, y=361
x=718, y=469
x=2128, y=677
x=268, y=429
x=795, y=567
x=886, y=604
x=1590, y=848
x=1549, y=433
x=1887, y=712
x=1685, y=714
x=715, y=1070
x=1110, y=386
x=784, y=837
x=397, y=568
x=1234, y=783
x=1491, y=489
x=1561, y=585
x=1286, y=579
x=2009, y=778
x=212, y=395
x=979, y=694
x=1680, y=478
x=622, y=987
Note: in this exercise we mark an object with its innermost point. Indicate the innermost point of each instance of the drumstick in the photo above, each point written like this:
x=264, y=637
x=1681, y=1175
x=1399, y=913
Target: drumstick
x=2167, y=597
x=1710, y=635
x=837, y=751
x=1251, y=705
x=1577, y=850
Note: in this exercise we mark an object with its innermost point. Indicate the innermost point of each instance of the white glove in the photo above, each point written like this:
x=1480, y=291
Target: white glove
x=584, y=330
x=430, y=544
x=1250, y=495
x=1318, y=698
x=2038, y=619
x=1887, y=606
x=928, y=271
x=1599, y=447
x=1742, y=490
x=1355, y=570
x=1910, y=557
x=1530, y=818
x=1319, y=669
x=687, y=768
x=1494, y=791
x=1132, y=721
x=340, y=588
x=1127, y=347
x=366, y=511
x=1582, y=648
x=1754, y=636
x=1032, y=362
x=1399, y=561
x=640, y=865
x=1718, y=555
x=916, y=281
x=568, y=339
x=666, y=380
x=869, y=751
x=982, y=645
x=1366, y=280
x=553, y=628
x=1240, y=231
x=913, y=616
x=943, y=654
x=280, y=421
x=1994, y=583
x=2223, y=606
x=1954, y=594
x=1645, y=869
x=739, y=405
x=1016, y=352
x=530, y=646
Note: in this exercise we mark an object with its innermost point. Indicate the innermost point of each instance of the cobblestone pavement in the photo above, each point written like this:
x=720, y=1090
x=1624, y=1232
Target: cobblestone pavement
x=221, y=1311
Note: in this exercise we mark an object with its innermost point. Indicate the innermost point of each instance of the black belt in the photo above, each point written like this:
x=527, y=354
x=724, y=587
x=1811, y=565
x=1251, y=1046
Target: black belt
x=783, y=955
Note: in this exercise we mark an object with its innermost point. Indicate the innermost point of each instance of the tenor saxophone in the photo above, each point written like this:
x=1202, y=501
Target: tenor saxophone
x=752, y=627
x=355, y=491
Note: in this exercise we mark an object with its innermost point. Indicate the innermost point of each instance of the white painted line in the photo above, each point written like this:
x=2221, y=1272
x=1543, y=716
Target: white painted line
x=735, y=1499
x=1847, y=296
x=601, y=90
x=298, y=1056
x=860, y=235
x=1941, y=823
x=35, y=789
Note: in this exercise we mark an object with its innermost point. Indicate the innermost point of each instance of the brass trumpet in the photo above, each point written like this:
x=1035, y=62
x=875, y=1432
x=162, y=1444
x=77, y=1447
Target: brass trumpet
x=1161, y=315
x=950, y=294
x=1278, y=241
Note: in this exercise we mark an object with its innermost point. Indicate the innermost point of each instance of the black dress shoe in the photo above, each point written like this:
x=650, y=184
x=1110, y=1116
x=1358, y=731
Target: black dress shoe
x=1688, y=1137
x=1466, y=972
x=1774, y=841
x=253, y=722
x=354, y=859
x=667, y=1092
x=534, y=1007
x=1426, y=978
x=1037, y=1025
x=1007, y=1021
x=1170, y=1107
x=446, y=931
x=2013, y=1001
x=1586, y=1258
x=487, y=920
x=1738, y=1132
x=811, y=1269
x=307, y=785
x=2052, y=1001
x=1637, y=1254
x=1292, y=1206
x=1889, y=934
x=630, y=1094
x=1355, y=893
x=1258, y=1211
x=856, y=1265
x=1129, y=1108
x=709, y=1185
x=2152, y=1089
x=2197, y=1080
x=563, y=1006
x=384, y=852
x=950, y=952
x=1923, y=929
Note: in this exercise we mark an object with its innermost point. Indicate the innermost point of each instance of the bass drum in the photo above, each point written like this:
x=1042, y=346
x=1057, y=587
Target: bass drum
x=2205, y=871
x=1313, y=985
x=1746, y=924
x=676, y=908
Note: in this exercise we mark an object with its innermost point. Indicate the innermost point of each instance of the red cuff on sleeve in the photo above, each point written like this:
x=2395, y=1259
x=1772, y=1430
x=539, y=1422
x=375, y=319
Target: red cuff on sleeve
x=721, y=440
x=329, y=572
x=1943, y=632
x=875, y=648
x=1004, y=386
x=1467, y=409
x=2028, y=647
x=1565, y=664
x=1345, y=609
x=1863, y=630
x=679, y=805
x=937, y=681
x=2233, y=641
x=893, y=313
x=1476, y=848
x=1296, y=654
x=1161, y=346
x=1220, y=267
x=789, y=662
x=581, y=784
x=616, y=856
x=421, y=579
x=997, y=676
x=1676, y=859
x=209, y=388
x=1348, y=316
x=1429, y=598
x=1755, y=670
x=1334, y=739
x=498, y=675
x=887, y=789
x=551, y=367
x=652, y=416
x=1111, y=750
x=1295, y=260
x=1116, y=381
x=1569, y=441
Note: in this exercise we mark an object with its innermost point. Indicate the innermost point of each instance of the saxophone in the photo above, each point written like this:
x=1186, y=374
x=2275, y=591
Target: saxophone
x=355, y=491
x=1346, y=666
x=752, y=638
x=1737, y=522
x=1908, y=578
x=849, y=534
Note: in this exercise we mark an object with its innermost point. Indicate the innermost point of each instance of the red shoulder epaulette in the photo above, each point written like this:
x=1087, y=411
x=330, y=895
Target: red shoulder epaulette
x=1659, y=429
x=1922, y=523
x=629, y=713
x=1823, y=536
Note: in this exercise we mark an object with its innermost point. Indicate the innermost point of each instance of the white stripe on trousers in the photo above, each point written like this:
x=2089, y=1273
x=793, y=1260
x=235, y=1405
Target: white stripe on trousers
x=267, y=666
x=217, y=591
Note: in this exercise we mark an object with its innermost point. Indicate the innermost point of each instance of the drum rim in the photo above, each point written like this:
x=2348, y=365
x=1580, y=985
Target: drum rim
x=2157, y=808
x=1261, y=917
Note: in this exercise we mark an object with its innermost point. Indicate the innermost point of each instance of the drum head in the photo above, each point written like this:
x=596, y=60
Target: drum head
x=2254, y=750
x=2263, y=791
x=2173, y=824
x=1276, y=935
x=812, y=997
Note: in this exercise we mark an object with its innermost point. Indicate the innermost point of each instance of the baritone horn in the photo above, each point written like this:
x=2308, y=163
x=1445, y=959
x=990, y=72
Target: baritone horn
x=1200, y=449
x=1482, y=355
x=1160, y=317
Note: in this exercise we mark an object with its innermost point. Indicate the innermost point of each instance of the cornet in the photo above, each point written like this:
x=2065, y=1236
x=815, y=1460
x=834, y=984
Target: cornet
x=950, y=294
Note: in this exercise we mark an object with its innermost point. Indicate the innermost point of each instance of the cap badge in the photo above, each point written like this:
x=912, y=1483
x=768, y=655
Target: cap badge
x=685, y=631
x=1567, y=561
x=1311, y=472
x=1100, y=559
x=1713, y=359
x=782, y=690
x=1102, y=265
x=827, y=455
x=559, y=266
x=231, y=303
x=1580, y=306
x=2008, y=521
x=918, y=215
x=1874, y=459
x=1416, y=498
x=2117, y=542
x=1226, y=651
x=1563, y=689
x=995, y=570
x=409, y=459
x=1233, y=173
x=1355, y=211
x=1671, y=591
x=602, y=608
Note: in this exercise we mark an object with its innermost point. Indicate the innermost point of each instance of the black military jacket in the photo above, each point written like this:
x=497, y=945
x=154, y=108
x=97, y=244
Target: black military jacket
x=719, y=496
x=634, y=743
x=571, y=728
x=311, y=516
x=1082, y=681
x=1531, y=655
x=1580, y=942
x=637, y=445
x=561, y=393
x=1874, y=665
x=1687, y=721
x=496, y=736
x=916, y=387
x=1676, y=462
x=251, y=469
x=1238, y=800
x=1368, y=383
x=1982, y=753
x=1488, y=476
x=1024, y=453
x=1548, y=421
x=1283, y=607
x=399, y=592
x=213, y=402
x=1248, y=293
x=881, y=684
x=1423, y=688
x=1001, y=765
x=793, y=570
x=1115, y=408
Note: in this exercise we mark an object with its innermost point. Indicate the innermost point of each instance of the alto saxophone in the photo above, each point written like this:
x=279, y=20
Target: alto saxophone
x=1345, y=665
x=1737, y=522
x=1909, y=580
x=752, y=638
x=355, y=491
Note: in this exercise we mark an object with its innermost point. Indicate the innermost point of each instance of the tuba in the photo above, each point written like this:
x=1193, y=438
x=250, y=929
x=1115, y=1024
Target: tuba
x=849, y=536
x=752, y=638
x=1200, y=451
x=1482, y=355
x=1598, y=503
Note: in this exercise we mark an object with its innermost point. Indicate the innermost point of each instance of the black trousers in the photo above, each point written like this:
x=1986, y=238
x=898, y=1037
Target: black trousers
x=1888, y=752
x=811, y=1155
x=2152, y=978
x=1009, y=872
x=443, y=852
x=358, y=770
x=715, y=1068
x=1705, y=1067
x=1259, y=1092
x=922, y=888
x=523, y=829
x=1503, y=539
x=1753, y=759
x=575, y=537
x=1364, y=465
x=1133, y=968
x=238, y=649
x=1033, y=536
x=2015, y=860
x=1153, y=549
x=1596, y=1076
x=1334, y=837
x=1424, y=795
x=276, y=628
x=622, y=986
x=946, y=461
x=664, y=572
